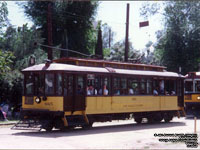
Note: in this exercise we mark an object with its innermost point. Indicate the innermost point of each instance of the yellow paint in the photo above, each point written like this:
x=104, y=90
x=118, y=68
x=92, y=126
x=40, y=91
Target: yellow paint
x=120, y=104
x=68, y=113
x=51, y=104
x=65, y=121
x=169, y=103
x=194, y=98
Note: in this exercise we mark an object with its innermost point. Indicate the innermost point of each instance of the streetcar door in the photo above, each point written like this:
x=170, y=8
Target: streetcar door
x=68, y=81
x=79, y=94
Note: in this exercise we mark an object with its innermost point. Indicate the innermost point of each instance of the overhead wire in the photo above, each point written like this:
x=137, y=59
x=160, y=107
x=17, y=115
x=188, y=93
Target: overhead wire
x=62, y=49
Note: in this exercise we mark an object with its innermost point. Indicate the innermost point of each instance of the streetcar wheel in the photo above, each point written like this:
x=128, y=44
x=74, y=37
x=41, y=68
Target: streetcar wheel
x=168, y=118
x=49, y=128
x=138, y=120
x=87, y=126
x=150, y=120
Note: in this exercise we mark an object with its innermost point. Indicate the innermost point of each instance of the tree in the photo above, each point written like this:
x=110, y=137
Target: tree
x=6, y=60
x=72, y=21
x=99, y=45
x=3, y=14
x=179, y=44
x=118, y=49
x=17, y=46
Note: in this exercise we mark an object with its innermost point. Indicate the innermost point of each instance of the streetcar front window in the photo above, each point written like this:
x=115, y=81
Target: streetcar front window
x=188, y=86
x=49, y=84
x=197, y=86
x=39, y=84
x=59, y=84
x=29, y=84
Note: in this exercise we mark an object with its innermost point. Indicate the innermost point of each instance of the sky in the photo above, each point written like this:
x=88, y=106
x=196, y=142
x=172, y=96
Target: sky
x=114, y=14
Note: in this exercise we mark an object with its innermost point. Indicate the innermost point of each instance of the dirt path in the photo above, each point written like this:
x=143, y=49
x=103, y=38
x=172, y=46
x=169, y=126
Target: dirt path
x=111, y=135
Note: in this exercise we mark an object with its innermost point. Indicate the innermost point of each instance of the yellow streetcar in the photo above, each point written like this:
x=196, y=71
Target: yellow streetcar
x=192, y=93
x=71, y=92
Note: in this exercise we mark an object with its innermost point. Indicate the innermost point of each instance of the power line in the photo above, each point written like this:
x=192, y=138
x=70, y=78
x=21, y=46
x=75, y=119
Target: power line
x=62, y=49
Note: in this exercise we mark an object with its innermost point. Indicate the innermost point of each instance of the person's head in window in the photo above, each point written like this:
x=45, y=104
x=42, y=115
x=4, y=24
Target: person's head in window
x=105, y=90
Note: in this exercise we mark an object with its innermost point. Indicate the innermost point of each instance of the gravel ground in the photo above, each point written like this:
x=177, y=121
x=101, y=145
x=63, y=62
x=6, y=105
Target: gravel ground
x=110, y=135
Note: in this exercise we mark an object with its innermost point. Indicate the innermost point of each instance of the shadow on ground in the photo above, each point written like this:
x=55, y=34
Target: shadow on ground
x=99, y=130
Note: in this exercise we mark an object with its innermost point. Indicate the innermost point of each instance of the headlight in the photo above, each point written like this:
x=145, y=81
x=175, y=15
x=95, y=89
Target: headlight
x=198, y=97
x=37, y=100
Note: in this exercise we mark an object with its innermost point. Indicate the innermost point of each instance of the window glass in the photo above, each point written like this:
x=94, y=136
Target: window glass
x=49, y=84
x=80, y=86
x=116, y=86
x=161, y=86
x=106, y=86
x=134, y=85
x=91, y=85
x=188, y=86
x=98, y=85
x=70, y=85
x=123, y=86
x=170, y=87
x=143, y=86
x=59, y=84
x=65, y=80
x=156, y=86
x=29, y=84
x=197, y=86
x=39, y=84
x=149, y=86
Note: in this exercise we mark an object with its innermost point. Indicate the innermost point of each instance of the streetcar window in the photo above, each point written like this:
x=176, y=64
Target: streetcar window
x=123, y=90
x=91, y=89
x=197, y=86
x=134, y=84
x=70, y=85
x=98, y=85
x=188, y=86
x=65, y=80
x=149, y=86
x=170, y=87
x=143, y=86
x=79, y=86
x=59, y=84
x=49, y=84
x=155, y=84
x=116, y=86
x=106, y=86
x=29, y=84
x=39, y=84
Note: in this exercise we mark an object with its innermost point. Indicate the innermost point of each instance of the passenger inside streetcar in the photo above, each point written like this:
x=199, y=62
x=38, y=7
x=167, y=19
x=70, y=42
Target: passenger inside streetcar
x=155, y=92
x=130, y=90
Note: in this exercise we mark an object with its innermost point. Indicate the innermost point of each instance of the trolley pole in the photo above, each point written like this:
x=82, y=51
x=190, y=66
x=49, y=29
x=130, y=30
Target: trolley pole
x=127, y=30
x=49, y=24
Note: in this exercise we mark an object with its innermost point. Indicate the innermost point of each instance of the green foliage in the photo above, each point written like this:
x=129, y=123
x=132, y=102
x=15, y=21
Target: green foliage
x=118, y=50
x=21, y=42
x=17, y=45
x=178, y=44
x=74, y=17
x=6, y=59
x=3, y=14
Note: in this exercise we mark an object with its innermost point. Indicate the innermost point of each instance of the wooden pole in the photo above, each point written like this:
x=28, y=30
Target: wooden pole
x=195, y=125
x=49, y=24
x=127, y=30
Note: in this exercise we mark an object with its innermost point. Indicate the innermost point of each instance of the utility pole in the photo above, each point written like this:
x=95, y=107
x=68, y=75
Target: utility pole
x=49, y=24
x=109, y=38
x=127, y=30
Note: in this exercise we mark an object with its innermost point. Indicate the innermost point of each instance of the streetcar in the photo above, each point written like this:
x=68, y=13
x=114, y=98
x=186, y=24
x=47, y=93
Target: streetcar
x=74, y=92
x=192, y=93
